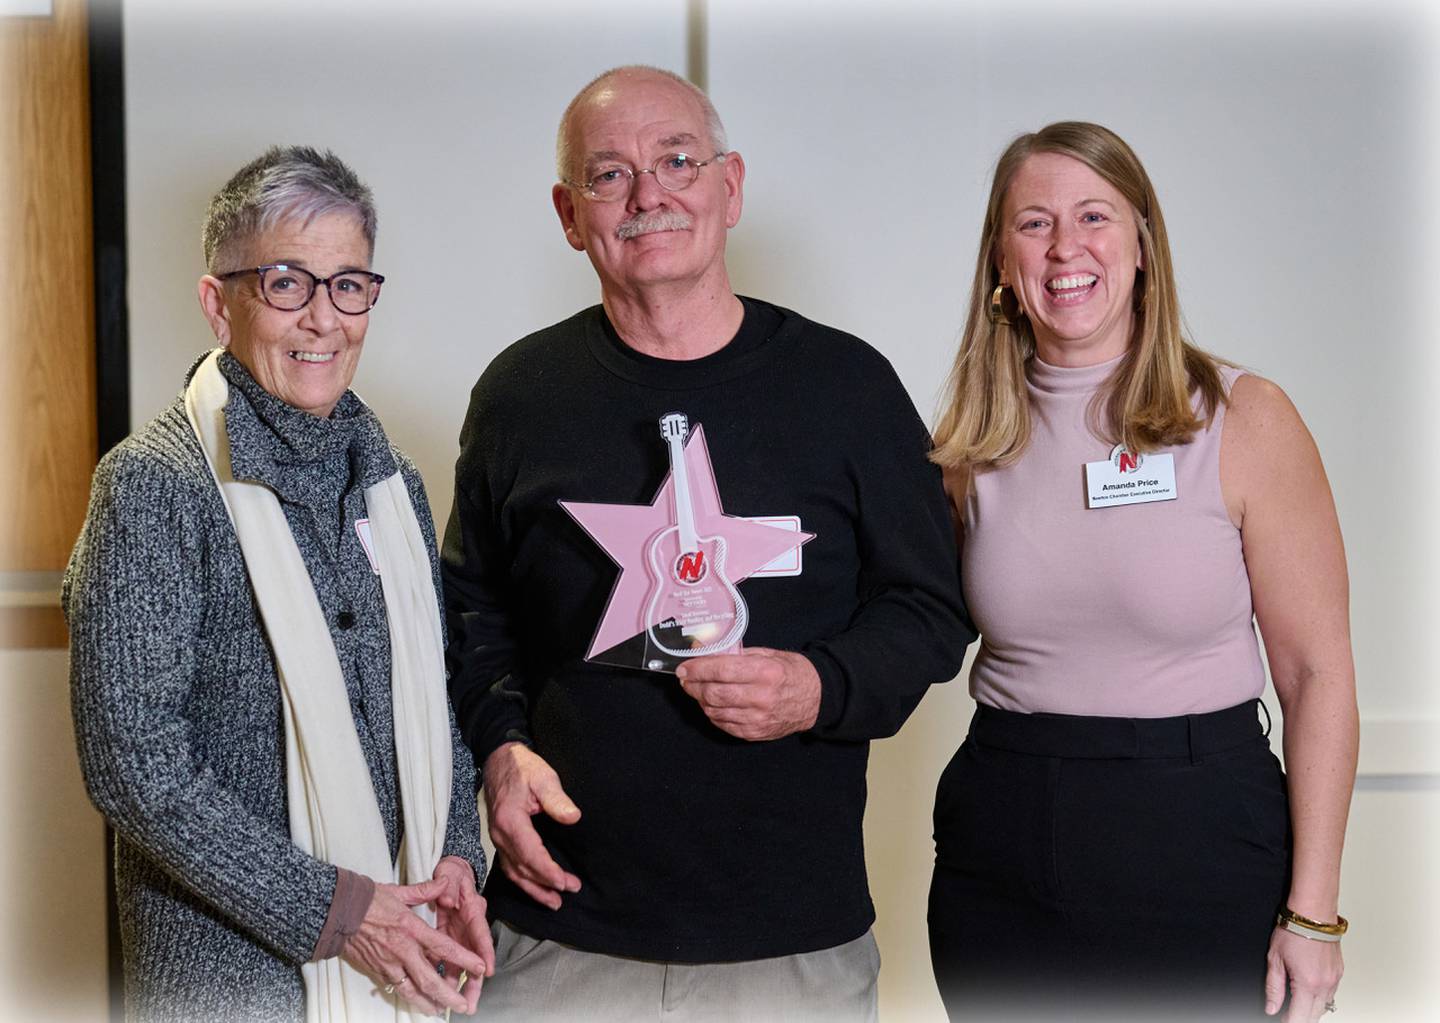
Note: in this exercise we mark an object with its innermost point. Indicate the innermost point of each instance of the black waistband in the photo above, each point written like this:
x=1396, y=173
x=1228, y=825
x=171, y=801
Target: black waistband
x=1101, y=738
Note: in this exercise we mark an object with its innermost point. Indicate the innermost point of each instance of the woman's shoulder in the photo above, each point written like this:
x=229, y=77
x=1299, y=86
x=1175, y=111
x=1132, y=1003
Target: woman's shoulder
x=1265, y=444
x=415, y=484
x=410, y=473
x=152, y=492
x=1242, y=397
x=1257, y=404
x=164, y=454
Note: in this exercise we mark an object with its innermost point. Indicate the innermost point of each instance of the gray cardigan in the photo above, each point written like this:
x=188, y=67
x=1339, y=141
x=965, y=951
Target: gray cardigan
x=177, y=704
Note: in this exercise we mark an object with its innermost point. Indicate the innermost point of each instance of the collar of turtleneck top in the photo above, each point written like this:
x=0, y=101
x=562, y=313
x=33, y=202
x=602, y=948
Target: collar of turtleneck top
x=1069, y=379
x=298, y=455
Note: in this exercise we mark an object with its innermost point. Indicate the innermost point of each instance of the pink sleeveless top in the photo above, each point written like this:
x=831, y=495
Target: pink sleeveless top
x=1141, y=610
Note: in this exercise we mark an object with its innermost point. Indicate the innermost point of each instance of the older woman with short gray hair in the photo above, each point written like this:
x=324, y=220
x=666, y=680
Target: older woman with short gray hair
x=257, y=653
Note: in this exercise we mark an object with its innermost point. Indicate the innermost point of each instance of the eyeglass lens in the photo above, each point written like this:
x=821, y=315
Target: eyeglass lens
x=291, y=288
x=673, y=172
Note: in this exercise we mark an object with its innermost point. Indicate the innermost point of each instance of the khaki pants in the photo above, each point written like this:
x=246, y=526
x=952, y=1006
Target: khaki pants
x=547, y=981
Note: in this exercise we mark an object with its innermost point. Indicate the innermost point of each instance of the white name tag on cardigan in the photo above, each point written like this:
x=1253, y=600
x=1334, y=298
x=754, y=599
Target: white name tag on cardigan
x=1130, y=478
x=362, y=530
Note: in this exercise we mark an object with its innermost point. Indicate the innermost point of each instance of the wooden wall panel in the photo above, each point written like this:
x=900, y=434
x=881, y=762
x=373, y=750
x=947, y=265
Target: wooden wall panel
x=47, y=348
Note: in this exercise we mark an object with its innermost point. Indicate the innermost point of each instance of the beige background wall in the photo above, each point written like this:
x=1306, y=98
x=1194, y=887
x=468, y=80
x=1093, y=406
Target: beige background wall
x=1290, y=146
x=52, y=902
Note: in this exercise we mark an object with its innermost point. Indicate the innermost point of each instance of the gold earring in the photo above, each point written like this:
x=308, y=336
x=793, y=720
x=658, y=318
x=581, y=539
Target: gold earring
x=998, y=315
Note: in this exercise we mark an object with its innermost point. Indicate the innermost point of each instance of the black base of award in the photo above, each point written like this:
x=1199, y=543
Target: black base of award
x=642, y=651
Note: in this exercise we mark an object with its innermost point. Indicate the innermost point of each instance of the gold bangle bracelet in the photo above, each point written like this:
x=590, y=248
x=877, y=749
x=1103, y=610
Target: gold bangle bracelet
x=1339, y=927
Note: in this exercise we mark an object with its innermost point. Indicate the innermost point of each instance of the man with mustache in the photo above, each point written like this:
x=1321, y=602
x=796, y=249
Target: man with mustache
x=686, y=843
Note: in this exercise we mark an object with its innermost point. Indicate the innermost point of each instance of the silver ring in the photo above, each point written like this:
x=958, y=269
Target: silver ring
x=1330, y=1005
x=390, y=988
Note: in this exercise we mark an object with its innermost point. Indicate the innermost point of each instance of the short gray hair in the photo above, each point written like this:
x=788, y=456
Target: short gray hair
x=713, y=127
x=285, y=182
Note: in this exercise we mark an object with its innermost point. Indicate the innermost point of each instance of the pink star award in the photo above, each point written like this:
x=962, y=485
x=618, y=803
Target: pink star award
x=680, y=557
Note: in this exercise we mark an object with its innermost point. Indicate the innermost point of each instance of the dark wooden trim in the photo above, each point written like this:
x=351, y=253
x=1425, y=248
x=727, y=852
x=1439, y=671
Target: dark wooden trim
x=33, y=628
x=112, y=323
x=107, y=176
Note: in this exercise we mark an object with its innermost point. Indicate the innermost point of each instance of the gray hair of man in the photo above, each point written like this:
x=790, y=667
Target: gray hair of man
x=284, y=183
x=713, y=127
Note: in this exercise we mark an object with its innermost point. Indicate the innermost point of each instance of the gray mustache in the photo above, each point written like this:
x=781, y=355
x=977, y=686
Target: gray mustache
x=650, y=222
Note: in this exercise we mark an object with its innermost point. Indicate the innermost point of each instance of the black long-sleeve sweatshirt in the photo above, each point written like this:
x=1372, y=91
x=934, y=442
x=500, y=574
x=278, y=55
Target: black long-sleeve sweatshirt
x=695, y=846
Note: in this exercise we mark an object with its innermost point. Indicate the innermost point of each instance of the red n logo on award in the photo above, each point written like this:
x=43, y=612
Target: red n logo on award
x=690, y=568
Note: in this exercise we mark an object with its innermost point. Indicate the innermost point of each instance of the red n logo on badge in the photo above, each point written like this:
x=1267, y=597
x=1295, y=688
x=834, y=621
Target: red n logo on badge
x=1127, y=462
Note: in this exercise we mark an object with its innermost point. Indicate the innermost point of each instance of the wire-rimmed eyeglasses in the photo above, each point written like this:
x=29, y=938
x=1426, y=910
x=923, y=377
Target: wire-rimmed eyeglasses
x=674, y=172
x=291, y=287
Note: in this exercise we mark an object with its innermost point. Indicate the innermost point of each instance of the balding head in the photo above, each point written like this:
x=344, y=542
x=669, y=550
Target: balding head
x=652, y=235
x=597, y=91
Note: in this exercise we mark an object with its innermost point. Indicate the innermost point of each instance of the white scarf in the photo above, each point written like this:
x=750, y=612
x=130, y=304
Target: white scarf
x=333, y=813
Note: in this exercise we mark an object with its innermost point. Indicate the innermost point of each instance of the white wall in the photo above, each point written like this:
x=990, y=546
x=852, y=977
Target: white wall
x=1292, y=149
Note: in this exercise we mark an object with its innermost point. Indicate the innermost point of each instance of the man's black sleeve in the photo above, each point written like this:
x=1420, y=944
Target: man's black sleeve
x=489, y=700
x=911, y=627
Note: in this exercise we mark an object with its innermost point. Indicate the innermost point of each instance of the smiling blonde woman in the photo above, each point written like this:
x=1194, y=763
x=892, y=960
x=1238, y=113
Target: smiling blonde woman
x=1114, y=838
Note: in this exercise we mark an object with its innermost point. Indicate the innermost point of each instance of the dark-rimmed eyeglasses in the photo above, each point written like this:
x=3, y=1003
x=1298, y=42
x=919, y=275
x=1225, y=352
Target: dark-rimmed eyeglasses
x=674, y=172
x=292, y=287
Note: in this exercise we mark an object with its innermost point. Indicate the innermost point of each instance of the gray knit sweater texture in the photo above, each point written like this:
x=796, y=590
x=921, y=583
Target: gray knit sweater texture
x=177, y=703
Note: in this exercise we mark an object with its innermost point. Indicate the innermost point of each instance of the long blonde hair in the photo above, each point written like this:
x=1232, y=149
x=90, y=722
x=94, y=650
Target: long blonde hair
x=1147, y=402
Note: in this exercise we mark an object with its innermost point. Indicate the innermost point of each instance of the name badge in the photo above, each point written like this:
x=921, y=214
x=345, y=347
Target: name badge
x=1128, y=477
x=362, y=530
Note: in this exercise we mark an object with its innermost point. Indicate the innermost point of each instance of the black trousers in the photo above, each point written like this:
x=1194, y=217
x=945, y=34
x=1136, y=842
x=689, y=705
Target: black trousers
x=1108, y=868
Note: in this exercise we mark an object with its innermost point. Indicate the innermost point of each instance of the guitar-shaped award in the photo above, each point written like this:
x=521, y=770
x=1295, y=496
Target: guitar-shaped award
x=679, y=557
x=693, y=609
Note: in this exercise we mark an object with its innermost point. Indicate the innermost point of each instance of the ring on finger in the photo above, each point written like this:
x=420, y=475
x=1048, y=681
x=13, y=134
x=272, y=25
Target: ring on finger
x=390, y=988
